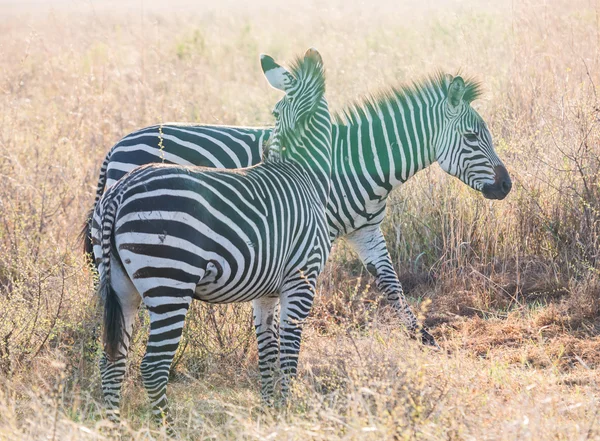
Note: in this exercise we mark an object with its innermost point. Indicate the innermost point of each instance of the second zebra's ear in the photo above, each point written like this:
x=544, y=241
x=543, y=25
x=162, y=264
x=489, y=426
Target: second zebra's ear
x=313, y=55
x=277, y=76
x=456, y=91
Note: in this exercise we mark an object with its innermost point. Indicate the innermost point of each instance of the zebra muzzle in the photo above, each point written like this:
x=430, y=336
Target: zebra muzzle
x=501, y=186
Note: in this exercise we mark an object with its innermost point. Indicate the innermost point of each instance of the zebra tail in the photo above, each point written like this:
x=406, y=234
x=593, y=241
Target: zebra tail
x=113, y=321
x=113, y=311
x=85, y=234
x=86, y=231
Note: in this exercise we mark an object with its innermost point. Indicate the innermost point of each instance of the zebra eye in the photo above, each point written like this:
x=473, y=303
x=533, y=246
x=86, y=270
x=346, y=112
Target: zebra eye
x=471, y=137
x=275, y=113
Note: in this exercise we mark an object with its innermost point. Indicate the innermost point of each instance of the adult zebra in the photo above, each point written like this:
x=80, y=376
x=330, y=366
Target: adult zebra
x=377, y=145
x=167, y=234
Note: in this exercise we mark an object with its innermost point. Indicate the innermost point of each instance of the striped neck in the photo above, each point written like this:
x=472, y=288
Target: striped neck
x=309, y=148
x=388, y=139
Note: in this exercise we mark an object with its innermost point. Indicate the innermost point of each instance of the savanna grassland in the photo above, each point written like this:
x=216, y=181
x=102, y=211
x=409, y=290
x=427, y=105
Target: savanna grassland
x=510, y=289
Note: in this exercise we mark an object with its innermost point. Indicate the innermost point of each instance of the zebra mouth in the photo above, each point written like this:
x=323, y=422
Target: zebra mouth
x=501, y=186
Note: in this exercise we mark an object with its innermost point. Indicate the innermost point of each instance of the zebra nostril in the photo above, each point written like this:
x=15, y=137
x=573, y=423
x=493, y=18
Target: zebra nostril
x=506, y=186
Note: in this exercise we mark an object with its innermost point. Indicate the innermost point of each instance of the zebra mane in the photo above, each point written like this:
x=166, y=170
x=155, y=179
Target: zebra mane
x=305, y=68
x=437, y=84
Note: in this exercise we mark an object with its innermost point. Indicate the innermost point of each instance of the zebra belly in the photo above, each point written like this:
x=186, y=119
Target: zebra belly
x=213, y=288
x=167, y=265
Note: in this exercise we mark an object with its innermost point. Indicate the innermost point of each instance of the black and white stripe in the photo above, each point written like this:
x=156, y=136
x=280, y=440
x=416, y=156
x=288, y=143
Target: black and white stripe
x=168, y=234
x=377, y=145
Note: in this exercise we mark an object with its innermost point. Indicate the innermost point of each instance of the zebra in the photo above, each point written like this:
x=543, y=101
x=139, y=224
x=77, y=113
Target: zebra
x=167, y=234
x=379, y=142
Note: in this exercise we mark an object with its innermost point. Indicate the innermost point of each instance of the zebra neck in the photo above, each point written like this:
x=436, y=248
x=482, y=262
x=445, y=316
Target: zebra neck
x=315, y=161
x=310, y=152
x=384, y=144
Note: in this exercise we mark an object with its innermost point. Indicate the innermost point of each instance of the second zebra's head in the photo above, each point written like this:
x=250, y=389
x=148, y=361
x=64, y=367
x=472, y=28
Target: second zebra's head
x=304, y=100
x=464, y=148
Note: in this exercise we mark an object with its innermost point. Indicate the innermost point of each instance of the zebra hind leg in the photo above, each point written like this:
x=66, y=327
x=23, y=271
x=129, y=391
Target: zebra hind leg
x=387, y=282
x=167, y=317
x=112, y=371
x=370, y=245
x=266, y=324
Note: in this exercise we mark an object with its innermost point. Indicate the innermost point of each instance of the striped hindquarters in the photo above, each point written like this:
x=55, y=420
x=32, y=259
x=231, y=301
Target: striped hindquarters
x=234, y=234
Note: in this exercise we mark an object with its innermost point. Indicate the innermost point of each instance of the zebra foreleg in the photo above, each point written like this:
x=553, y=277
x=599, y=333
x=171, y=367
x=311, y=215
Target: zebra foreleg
x=266, y=323
x=370, y=245
x=296, y=302
x=167, y=317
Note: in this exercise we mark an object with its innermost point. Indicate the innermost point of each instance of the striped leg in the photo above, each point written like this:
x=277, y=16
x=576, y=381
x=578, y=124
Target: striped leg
x=296, y=300
x=112, y=372
x=266, y=323
x=166, y=324
x=370, y=245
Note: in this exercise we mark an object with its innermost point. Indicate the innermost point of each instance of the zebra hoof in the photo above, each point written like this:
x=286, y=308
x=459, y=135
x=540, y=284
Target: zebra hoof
x=112, y=429
x=266, y=407
x=171, y=432
x=281, y=405
x=164, y=421
x=427, y=339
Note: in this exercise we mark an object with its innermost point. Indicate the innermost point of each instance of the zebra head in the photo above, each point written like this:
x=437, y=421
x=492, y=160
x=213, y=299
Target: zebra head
x=465, y=148
x=304, y=95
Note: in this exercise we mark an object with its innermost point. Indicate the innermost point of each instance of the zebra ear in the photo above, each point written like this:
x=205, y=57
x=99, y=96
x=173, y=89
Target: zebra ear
x=314, y=55
x=277, y=76
x=456, y=91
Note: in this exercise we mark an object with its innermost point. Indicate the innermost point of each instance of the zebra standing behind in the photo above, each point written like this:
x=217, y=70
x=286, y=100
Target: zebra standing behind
x=377, y=145
x=167, y=234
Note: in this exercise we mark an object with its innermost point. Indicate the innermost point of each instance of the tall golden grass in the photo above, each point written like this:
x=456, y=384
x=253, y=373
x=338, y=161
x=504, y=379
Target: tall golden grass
x=510, y=289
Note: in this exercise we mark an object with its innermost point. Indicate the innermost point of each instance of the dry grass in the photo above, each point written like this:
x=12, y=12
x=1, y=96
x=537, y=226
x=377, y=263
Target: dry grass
x=514, y=285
